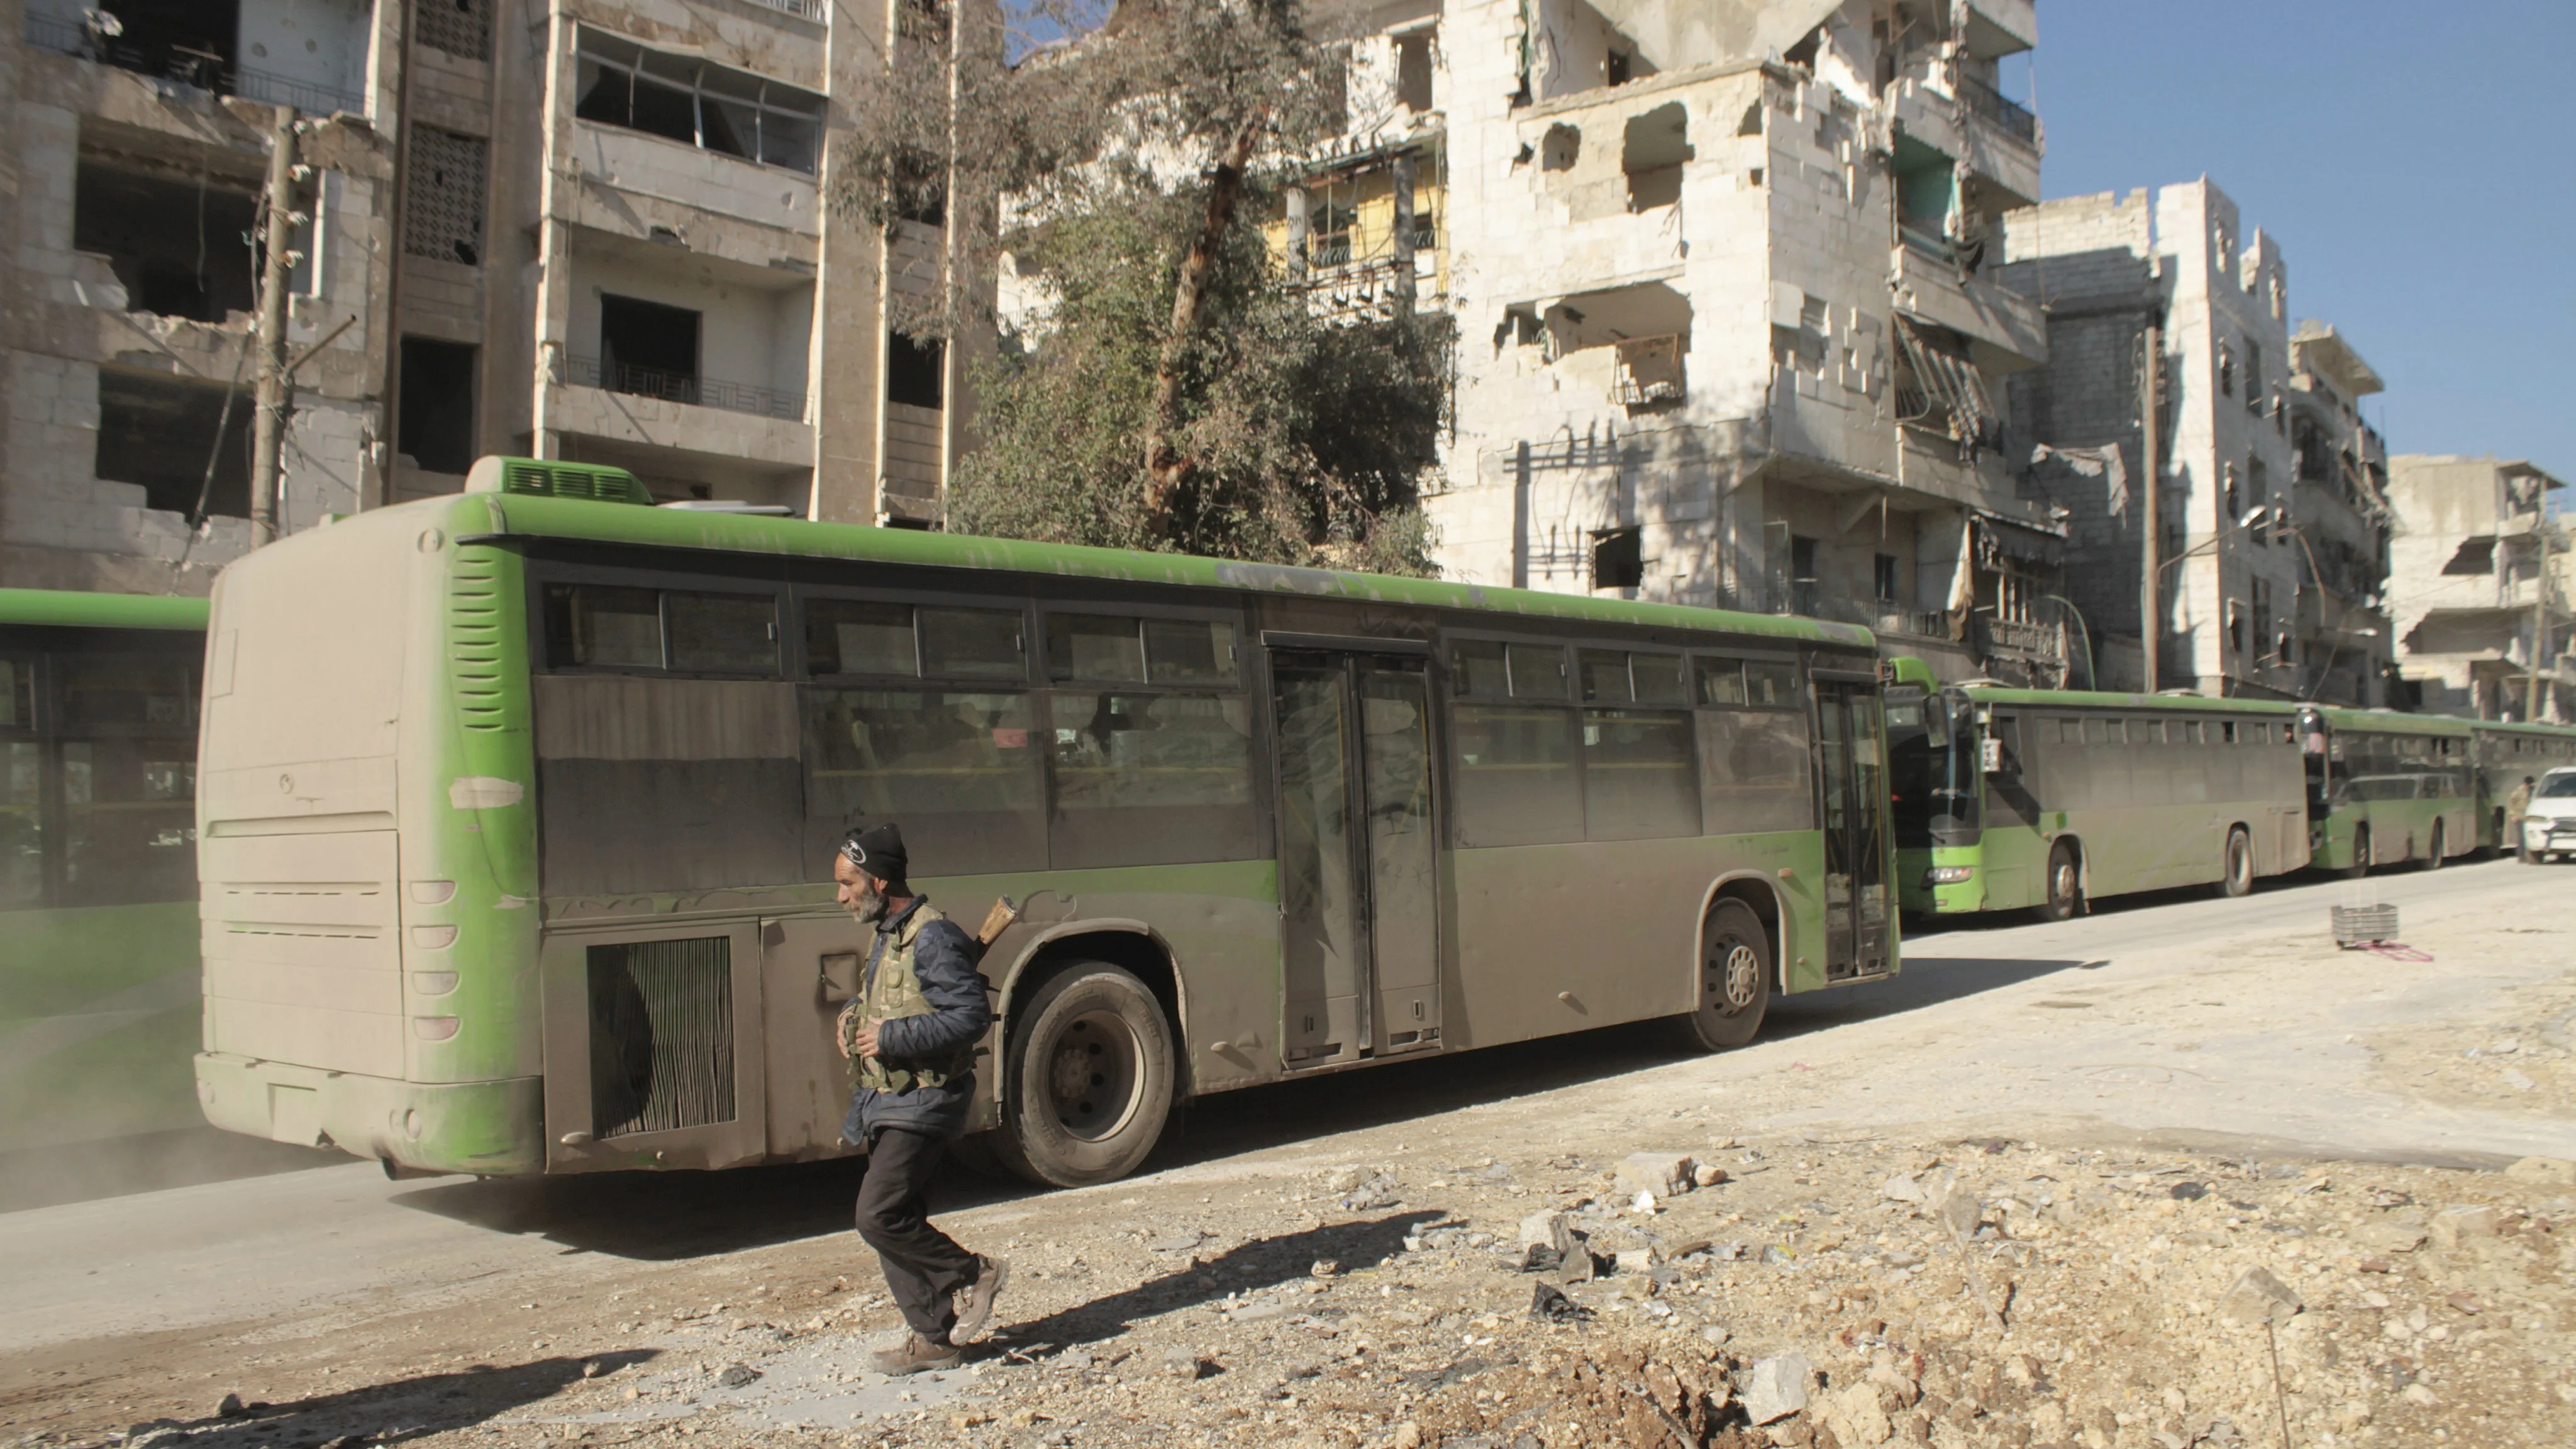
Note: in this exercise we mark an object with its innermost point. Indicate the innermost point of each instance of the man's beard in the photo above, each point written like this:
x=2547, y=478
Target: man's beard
x=869, y=904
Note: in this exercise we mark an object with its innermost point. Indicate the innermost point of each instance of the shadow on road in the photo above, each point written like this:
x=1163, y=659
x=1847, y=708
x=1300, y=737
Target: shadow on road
x=388, y=1413
x=1258, y=1264
x=678, y=1215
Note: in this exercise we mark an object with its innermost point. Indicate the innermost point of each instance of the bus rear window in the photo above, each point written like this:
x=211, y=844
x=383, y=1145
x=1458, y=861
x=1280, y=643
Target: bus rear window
x=592, y=626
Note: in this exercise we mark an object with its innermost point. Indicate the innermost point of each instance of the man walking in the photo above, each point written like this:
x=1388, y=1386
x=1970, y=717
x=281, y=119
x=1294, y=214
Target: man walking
x=910, y=1036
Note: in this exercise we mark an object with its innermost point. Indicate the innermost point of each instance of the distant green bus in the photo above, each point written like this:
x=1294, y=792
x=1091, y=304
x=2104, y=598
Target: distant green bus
x=98, y=923
x=2385, y=788
x=518, y=806
x=2007, y=799
x=2504, y=754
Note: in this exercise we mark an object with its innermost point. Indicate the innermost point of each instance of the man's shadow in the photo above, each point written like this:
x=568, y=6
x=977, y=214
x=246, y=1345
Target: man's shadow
x=387, y=1413
x=1258, y=1264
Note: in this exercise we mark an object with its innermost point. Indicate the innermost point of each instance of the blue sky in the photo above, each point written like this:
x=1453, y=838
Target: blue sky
x=2416, y=162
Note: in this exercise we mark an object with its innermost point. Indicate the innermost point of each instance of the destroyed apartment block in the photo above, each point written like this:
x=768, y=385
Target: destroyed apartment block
x=2172, y=277
x=602, y=240
x=2480, y=583
x=1727, y=329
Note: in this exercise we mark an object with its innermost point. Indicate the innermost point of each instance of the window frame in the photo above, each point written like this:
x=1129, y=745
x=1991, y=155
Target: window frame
x=593, y=46
x=806, y=595
x=785, y=623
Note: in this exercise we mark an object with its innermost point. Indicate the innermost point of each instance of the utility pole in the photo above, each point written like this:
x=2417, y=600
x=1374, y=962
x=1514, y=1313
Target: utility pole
x=2151, y=366
x=2539, y=615
x=268, y=421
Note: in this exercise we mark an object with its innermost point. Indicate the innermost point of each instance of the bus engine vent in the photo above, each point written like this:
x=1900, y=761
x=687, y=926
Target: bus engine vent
x=661, y=1035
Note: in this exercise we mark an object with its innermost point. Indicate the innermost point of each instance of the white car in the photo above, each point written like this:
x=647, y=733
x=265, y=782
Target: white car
x=2549, y=823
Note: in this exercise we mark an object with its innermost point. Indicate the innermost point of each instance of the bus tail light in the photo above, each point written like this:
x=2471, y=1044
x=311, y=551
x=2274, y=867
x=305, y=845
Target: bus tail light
x=1949, y=874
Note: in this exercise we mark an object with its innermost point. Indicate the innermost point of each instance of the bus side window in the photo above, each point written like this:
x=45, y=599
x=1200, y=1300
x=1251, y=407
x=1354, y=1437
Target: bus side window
x=1753, y=771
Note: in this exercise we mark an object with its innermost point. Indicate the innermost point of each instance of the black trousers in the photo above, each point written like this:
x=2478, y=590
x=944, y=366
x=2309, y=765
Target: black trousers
x=923, y=1265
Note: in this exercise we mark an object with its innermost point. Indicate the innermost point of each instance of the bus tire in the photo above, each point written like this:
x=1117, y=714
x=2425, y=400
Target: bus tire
x=2433, y=859
x=2360, y=854
x=2238, y=863
x=1734, y=980
x=2065, y=884
x=1090, y=1078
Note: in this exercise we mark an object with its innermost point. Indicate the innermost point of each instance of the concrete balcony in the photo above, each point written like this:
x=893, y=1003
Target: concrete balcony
x=2001, y=27
x=1998, y=140
x=661, y=422
x=2005, y=330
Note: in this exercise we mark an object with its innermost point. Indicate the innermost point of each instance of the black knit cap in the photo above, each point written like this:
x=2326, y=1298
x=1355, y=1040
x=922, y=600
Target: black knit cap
x=878, y=850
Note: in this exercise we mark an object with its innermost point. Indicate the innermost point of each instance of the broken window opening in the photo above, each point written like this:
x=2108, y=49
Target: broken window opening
x=1803, y=54
x=2258, y=486
x=1938, y=389
x=2254, y=378
x=1806, y=582
x=712, y=107
x=1650, y=371
x=436, y=427
x=1618, y=66
x=159, y=432
x=180, y=246
x=1927, y=195
x=1328, y=235
x=1520, y=327
x=1883, y=576
x=1413, y=69
x=648, y=349
x=915, y=371
x=1653, y=147
x=1618, y=558
x=443, y=204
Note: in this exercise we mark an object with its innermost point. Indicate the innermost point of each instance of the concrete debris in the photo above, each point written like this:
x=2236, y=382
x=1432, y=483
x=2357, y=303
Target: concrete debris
x=2556, y=1170
x=1662, y=1174
x=738, y=1376
x=1903, y=1188
x=1858, y=1417
x=231, y=1407
x=2452, y=1224
x=2258, y=1296
x=2391, y=1236
x=1777, y=1387
x=1183, y=1363
x=1707, y=1174
x=1372, y=1195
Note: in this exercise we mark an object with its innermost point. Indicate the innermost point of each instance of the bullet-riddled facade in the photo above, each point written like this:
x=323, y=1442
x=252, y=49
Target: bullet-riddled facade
x=2479, y=601
x=1728, y=329
x=571, y=228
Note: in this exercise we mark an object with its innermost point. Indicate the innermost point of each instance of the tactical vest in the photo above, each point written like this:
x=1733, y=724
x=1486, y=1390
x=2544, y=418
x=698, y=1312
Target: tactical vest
x=893, y=989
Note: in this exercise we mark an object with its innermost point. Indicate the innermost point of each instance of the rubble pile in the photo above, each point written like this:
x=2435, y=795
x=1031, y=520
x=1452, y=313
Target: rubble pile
x=1837, y=1294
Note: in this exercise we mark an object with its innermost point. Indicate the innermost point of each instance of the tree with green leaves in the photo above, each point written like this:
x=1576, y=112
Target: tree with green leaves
x=1171, y=387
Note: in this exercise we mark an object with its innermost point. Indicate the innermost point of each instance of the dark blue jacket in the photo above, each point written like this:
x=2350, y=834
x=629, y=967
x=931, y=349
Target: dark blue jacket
x=944, y=957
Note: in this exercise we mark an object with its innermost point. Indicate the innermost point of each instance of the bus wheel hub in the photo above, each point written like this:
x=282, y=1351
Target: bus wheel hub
x=1091, y=1074
x=1743, y=977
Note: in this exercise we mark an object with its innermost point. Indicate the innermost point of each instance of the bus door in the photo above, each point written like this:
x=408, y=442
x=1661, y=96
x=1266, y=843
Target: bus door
x=1358, y=854
x=1852, y=759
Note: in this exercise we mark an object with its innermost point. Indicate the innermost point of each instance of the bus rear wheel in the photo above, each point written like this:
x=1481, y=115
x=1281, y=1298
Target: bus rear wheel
x=2360, y=854
x=2433, y=861
x=1734, y=980
x=2065, y=884
x=1088, y=1079
x=2239, y=864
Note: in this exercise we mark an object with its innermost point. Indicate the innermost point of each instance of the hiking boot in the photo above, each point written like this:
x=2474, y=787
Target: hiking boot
x=917, y=1355
x=974, y=1302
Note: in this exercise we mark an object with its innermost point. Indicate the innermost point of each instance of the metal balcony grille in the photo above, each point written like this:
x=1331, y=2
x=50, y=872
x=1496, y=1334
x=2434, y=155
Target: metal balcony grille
x=682, y=387
x=443, y=214
x=661, y=1036
x=1987, y=103
x=210, y=73
x=462, y=28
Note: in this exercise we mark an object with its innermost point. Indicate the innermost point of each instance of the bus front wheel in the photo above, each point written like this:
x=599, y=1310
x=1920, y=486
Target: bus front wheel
x=2065, y=885
x=1734, y=980
x=1090, y=1078
x=2360, y=854
x=2239, y=862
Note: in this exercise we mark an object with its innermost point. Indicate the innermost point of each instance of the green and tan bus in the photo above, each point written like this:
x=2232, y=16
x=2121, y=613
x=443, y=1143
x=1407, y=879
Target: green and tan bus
x=98, y=926
x=2006, y=799
x=2386, y=788
x=2504, y=754
x=517, y=810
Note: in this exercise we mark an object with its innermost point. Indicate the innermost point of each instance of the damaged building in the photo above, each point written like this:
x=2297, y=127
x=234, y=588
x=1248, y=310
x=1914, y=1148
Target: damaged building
x=2478, y=588
x=1724, y=287
x=567, y=228
x=2167, y=321
x=2339, y=505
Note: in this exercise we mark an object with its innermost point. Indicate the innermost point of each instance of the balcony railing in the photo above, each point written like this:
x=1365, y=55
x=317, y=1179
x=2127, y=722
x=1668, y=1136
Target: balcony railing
x=682, y=387
x=210, y=73
x=801, y=9
x=1988, y=103
x=2035, y=641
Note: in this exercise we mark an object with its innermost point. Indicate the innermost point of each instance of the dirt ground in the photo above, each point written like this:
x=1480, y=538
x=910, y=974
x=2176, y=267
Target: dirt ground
x=1830, y=1280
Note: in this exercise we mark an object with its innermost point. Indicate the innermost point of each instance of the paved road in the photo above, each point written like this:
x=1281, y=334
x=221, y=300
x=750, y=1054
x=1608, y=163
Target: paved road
x=2183, y=1019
